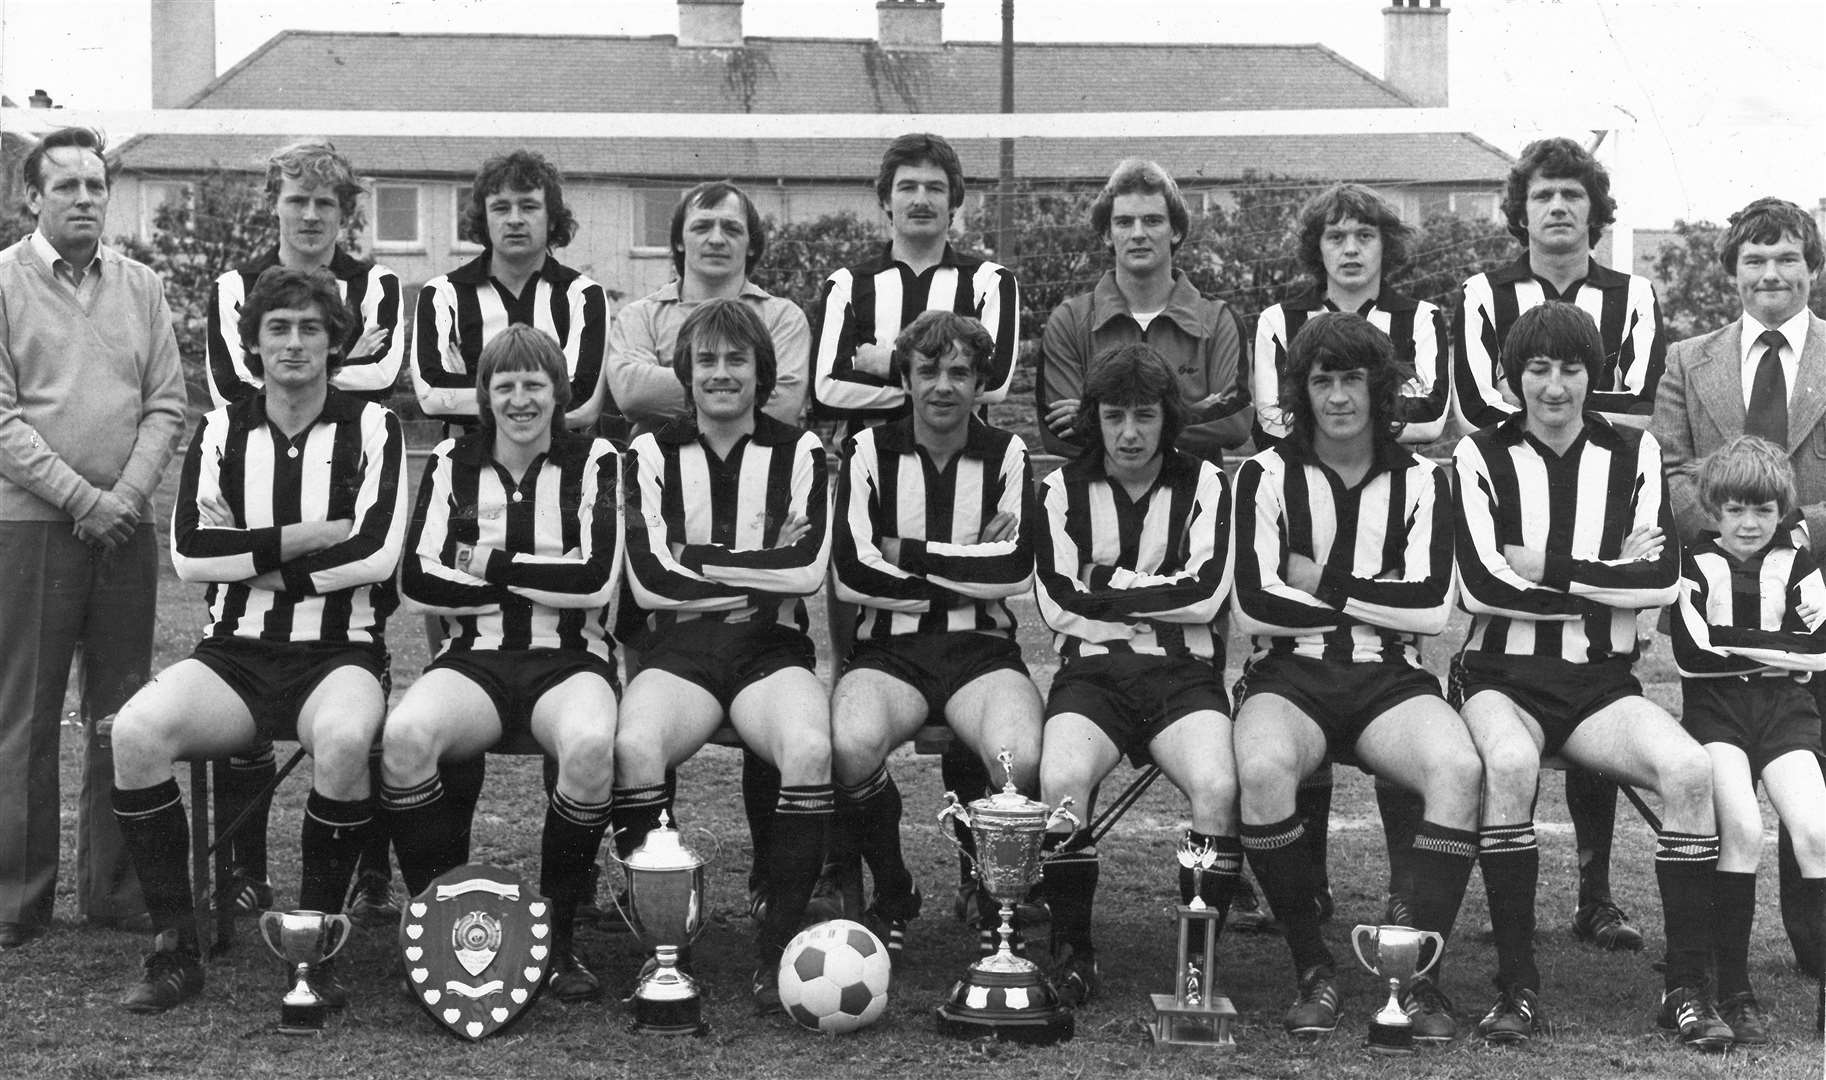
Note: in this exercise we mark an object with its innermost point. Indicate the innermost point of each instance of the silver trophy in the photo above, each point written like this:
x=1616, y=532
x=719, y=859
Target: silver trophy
x=303, y=940
x=1394, y=955
x=1195, y=1013
x=1003, y=994
x=666, y=910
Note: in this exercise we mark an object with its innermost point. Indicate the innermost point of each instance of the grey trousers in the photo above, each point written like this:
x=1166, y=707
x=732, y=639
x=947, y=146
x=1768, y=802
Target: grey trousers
x=58, y=596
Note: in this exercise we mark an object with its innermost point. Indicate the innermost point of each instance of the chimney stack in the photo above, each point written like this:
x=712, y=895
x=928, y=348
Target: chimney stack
x=710, y=24
x=1414, y=51
x=911, y=25
x=183, y=50
x=39, y=100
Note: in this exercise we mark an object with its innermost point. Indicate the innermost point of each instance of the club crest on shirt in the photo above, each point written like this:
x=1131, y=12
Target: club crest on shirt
x=477, y=946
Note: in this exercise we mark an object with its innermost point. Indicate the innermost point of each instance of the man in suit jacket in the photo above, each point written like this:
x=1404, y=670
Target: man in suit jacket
x=1734, y=380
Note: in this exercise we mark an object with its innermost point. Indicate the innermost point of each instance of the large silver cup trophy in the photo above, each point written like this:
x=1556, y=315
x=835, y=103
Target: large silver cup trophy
x=1002, y=994
x=1394, y=955
x=303, y=940
x=666, y=910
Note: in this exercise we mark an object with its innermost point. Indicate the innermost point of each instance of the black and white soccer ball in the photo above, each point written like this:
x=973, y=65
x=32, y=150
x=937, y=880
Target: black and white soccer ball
x=834, y=977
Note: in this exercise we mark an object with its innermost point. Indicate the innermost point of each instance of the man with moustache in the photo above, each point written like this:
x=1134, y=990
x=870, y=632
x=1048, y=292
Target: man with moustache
x=91, y=400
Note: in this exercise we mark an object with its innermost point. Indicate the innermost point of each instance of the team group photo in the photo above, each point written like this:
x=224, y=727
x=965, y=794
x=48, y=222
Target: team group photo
x=474, y=664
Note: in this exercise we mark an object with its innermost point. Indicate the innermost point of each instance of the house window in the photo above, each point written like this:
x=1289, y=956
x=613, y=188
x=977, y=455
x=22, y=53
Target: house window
x=155, y=195
x=459, y=207
x=396, y=217
x=653, y=220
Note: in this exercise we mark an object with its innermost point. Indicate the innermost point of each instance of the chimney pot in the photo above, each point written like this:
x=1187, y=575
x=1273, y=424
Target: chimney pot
x=1414, y=40
x=39, y=100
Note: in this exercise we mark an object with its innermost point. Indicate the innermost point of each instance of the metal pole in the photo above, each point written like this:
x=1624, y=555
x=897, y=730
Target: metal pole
x=1004, y=201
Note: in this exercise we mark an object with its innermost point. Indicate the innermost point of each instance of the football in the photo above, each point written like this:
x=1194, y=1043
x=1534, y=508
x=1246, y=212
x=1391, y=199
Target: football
x=834, y=977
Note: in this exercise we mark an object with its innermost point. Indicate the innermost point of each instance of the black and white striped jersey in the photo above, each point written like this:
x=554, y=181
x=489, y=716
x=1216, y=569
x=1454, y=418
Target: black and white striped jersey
x=1383, y=547
x=1422, y=346
x=463, y=310
x=373, y=296
x=908, y=548
x=1623, y=305
x=872, y=302
x=553, y=538
x=1148, y=576
x=702, y=530
x=1579, y=508
x=350, y=463
x=1742, y=617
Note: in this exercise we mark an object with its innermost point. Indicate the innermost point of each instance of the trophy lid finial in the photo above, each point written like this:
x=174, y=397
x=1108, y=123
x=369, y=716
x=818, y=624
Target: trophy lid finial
x=1006, y=760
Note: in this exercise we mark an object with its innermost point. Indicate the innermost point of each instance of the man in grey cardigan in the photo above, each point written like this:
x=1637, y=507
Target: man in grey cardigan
x=91, y=402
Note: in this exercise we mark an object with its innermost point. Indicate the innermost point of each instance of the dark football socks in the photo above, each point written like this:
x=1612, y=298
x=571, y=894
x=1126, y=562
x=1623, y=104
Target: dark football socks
x=331, y=840
x=1685, y=864
x=1511, y=862
x=1283, y=867
x=155, y=829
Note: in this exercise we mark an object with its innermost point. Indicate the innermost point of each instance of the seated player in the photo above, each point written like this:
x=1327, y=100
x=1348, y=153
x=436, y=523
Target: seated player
x=292, y=508
x=1343, y=556
x=1749, y=633
x=728, y=531
x=1133, y=569
x=933, y=534
x=1563, y=538
x=515, y=542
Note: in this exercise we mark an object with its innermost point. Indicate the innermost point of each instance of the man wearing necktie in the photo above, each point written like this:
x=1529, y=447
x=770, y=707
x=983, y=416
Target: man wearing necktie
x=1762, y=374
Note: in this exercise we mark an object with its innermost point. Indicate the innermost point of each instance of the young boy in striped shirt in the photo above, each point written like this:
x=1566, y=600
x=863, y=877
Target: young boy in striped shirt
x=1133, y=571
x=1749, y=633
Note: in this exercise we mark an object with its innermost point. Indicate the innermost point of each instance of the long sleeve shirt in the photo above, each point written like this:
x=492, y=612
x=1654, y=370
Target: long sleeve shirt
x=1201, y=338
x=1384, y=549
x=371, y=292
x=1578, y=508
x=909, y=549
x=1623, y=305
x=703, y=530
x=553, y=543
x=871, y=303
x=1742, y=617
x=644, y=336
x=1147, y=576
x=349, y=463
x=1422, y=347
x=91, y=388
x=463, y=310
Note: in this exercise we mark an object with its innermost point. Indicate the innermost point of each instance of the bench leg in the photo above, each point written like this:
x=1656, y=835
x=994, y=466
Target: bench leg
x=200, y=891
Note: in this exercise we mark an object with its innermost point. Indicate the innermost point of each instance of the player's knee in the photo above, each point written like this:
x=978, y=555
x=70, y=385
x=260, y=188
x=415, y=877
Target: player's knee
x=408, y=748
x=806, y=756
x=1808, y=837
x=142, y=736
x=1214, y=794
x=1686, y=776
x=1260, y=772
x=1461, y=773
x=589, y=758
x=1740, y=833
x=1511, y=768
x=638, y=760
x=340, y=751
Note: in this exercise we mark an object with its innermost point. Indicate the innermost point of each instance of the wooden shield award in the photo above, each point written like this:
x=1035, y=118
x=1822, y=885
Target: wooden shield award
x=477, y=944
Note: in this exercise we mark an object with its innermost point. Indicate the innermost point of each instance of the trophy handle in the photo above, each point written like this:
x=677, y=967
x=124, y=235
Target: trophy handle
x=1063, y=812
x=954, y=810
x=269, y=923
x=1439, y=950
x=1356, y=943
x=341, y=923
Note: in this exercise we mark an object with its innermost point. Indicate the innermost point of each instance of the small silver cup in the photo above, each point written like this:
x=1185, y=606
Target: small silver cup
x=303, y=940
x=1394, y=954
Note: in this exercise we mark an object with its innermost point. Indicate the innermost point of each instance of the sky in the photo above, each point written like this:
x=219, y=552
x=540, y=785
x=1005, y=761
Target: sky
x=1728, y=98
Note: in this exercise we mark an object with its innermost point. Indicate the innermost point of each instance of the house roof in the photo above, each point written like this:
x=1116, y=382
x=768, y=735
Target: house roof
x=575, y=73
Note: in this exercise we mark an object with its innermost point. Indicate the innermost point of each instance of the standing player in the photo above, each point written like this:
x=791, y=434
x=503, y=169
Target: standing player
x=1142, y=217
x=517, y=213
x=861, y=312
x=1343, y=562
x=311, y=191
x=1562, y=540
x=717, y=238
x=292, y=508
x=933, y=533
x=1749, y=633
x=1133, y=570
x=515, y=542
x=1558, y=203
x=728, y=531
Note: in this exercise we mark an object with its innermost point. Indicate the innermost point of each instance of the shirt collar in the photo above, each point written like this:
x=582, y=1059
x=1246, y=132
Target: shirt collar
x=767, y=431
x=1598, y=431
x=1310, y=297
x=1794, y=331
x=1597, y=275
x=1388, y=455
x=476, y=448
x=884, y=259
x=669, y=293
x=475, y=271
x=338, y=407
x=41, y=244
x=1107, y=302
x=980, y=440
x=345, y=266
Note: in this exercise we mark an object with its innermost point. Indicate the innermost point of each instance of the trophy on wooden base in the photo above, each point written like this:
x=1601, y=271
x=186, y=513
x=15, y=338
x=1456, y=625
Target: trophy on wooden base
x=1195, y=1013
x=1002, y=994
